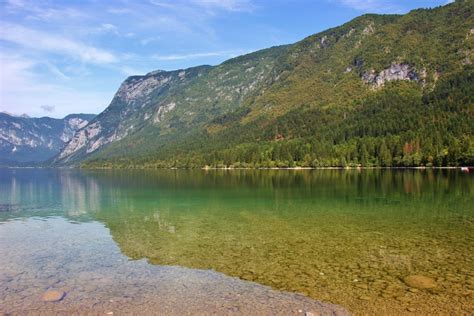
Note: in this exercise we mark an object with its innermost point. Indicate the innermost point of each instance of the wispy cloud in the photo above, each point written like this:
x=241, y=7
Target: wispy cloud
x=189, y=56
x=56, y=71
x=228, y=5
x=164, y=4
x=74, y=54
x=57, y=44
x=21, y=89
x=184, y=56
x=149, y=40
x=35, y=10
x=131, y=71
x=372, y=5
x=383, y=6
x=15, y=72
x=108, y=28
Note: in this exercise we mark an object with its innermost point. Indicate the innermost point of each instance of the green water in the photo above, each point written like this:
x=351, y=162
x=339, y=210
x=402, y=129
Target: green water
x=343, y=236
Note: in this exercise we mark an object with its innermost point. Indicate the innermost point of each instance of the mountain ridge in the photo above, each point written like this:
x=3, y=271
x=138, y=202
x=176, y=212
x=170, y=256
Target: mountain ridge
x=28, y=140
x=298, y=104
x=159, y=97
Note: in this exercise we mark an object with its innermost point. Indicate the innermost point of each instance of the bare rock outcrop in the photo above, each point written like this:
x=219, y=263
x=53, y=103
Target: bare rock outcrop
x=397, y=71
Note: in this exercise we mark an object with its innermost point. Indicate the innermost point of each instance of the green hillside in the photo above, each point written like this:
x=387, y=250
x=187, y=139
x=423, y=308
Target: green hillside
x=381, y=90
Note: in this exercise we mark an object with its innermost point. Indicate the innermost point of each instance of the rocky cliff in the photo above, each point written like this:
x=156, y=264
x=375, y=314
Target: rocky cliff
x=302, y=102
x=33, y=140
x=167, y=102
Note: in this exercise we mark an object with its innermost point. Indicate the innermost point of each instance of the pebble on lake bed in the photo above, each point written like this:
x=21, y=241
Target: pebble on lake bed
x=420, y=282
x=53, y=296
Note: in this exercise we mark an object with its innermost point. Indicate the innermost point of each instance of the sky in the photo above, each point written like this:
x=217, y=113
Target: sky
x=62, y=57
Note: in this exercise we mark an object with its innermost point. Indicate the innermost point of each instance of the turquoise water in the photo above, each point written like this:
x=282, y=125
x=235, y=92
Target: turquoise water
x=343, y=236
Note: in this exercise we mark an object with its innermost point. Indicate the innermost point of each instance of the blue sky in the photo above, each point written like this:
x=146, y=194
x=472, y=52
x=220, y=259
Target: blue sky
x=60, y=57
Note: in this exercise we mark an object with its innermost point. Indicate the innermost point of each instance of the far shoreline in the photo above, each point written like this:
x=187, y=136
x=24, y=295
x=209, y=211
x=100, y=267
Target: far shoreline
x=461, y=168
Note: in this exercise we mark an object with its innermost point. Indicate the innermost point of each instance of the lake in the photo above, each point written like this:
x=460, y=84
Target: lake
x=237, y=241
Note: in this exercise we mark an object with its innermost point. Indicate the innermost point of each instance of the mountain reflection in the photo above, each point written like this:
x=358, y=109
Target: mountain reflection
x=312, y=232
x=43, y=192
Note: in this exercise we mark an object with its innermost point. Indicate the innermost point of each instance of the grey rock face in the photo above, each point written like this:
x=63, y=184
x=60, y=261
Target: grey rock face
x=394, y=72
x=33, y=140
x=164, y=102
x=132, y=104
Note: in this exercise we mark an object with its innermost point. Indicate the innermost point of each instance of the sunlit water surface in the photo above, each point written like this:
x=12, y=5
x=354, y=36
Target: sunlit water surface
x=341, y=236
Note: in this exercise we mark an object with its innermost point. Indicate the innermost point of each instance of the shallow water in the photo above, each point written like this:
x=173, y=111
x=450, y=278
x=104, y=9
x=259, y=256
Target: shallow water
x=345, y=237
x=83, y=261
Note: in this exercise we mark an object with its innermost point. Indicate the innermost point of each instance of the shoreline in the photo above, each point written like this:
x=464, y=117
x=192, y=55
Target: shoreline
x=247, y=168
x=332, y=168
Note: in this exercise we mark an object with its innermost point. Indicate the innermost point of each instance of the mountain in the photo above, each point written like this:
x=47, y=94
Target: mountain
x=25, y=140
x=169, y=104
x=380, y=90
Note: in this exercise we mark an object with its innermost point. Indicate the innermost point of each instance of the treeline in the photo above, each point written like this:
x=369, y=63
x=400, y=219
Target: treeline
x=396, y=126
x=368, y=152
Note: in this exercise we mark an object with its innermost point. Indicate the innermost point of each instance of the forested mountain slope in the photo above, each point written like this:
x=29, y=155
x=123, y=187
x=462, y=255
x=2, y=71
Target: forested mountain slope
x=148, y=111
x=381, y=90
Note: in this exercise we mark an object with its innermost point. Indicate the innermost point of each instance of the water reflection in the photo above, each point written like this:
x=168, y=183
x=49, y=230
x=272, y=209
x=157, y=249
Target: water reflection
x=343, y=236
x=43, y=192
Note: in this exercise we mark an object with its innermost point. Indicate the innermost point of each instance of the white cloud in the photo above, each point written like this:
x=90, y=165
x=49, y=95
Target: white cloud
x=185, y=56
x=39, y=40
x=228, y=5
x=15, y=71
x=130, y=71
x=107, y=27
x=37, y=11
x=381, y=6
x=74, y=54
x=163, y=4
x=56, y=71
x=149, y=40
x=23, y=91
x=196, y=55
x=372, y=5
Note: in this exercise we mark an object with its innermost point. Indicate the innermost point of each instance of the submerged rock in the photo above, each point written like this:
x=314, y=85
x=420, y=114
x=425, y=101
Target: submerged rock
x=8, y=207
x=53, y=296
x=420, y=282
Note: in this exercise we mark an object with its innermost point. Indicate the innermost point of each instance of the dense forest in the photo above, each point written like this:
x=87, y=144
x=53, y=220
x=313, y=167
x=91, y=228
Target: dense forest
x=396, y=126
x=378, y=91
